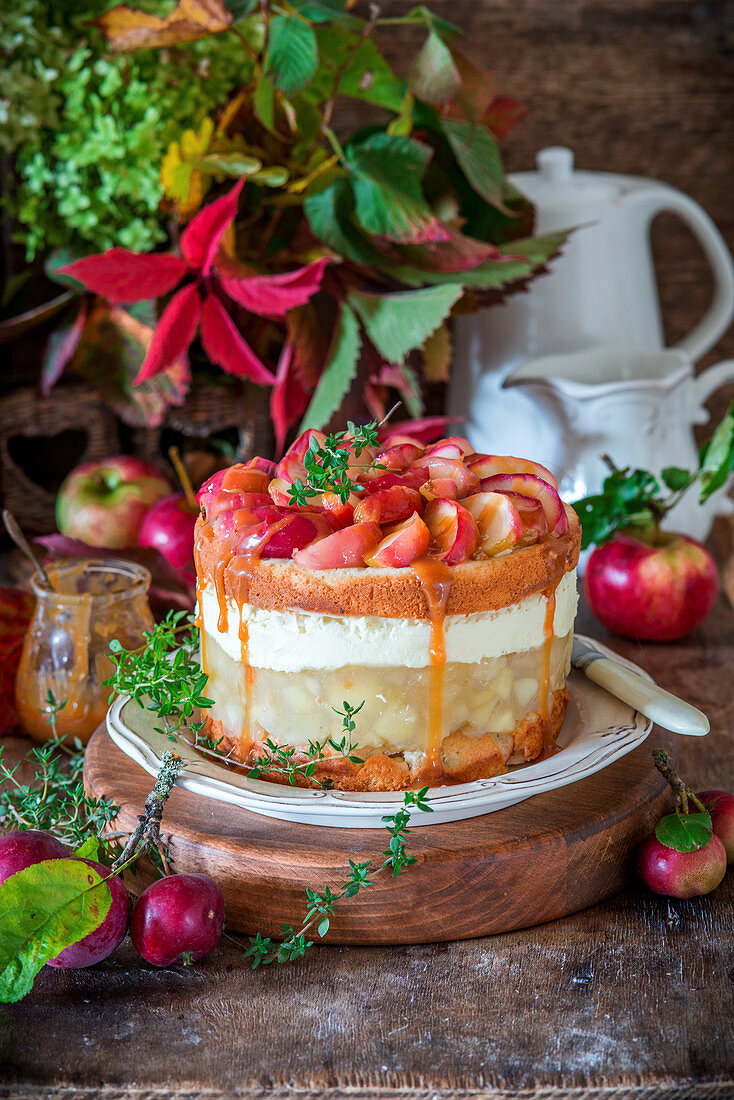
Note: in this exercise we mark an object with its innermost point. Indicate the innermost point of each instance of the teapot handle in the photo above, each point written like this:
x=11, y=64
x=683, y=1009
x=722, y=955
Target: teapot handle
x=714, y=323
x=708, y=382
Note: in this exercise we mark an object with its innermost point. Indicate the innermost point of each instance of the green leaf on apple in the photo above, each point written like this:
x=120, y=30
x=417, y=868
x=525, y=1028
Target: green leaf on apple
x=43, y=909
x=716, y=457
x=684, y=832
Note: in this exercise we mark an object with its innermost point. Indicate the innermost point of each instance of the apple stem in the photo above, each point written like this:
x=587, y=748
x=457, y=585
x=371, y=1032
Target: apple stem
x=681, y=792
x=181, y=473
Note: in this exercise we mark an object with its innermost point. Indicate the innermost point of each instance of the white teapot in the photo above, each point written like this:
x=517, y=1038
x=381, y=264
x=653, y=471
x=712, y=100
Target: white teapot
x=601, y=289
x=638, y=407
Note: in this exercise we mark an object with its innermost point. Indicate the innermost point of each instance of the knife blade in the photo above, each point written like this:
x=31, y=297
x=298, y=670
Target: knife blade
x=644, y=695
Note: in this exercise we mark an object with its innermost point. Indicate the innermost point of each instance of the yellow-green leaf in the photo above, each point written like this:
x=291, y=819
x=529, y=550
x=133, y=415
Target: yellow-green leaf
x=43, y=909
x=399, y=323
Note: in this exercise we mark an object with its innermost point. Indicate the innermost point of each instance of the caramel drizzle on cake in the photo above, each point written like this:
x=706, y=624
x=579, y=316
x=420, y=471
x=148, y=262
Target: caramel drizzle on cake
x=435, y=579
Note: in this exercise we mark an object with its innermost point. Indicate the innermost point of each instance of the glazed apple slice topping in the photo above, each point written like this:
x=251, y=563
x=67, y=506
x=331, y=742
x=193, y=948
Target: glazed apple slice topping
x=498, y=520
x=344, y=500
x=529, y=485
x=489, y=465
x=389, y=505
x=454, y=532
x=405, y=543
x=341, y=550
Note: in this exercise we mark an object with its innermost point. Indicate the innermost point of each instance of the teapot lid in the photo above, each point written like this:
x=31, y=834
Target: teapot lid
x=556, y=182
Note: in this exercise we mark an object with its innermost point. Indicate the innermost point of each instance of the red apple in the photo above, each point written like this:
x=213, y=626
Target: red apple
x=100, y=943
x=720, y=804
x=654, y=590
x=103, y=502
x=342, y=550
x=406, y=542
x=681, y=874
x=169, y=528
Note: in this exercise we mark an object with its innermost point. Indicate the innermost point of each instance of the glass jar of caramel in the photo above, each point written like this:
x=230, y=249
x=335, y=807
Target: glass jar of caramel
x=66, y=647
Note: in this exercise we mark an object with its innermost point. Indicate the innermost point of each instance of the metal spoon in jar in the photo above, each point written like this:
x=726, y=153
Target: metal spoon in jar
x=13, y=529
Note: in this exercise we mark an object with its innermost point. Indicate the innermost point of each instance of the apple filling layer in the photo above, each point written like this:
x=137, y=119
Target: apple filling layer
x=493, y=711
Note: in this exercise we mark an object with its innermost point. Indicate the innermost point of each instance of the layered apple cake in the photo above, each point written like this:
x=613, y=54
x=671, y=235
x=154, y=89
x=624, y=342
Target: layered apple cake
x=433, y=585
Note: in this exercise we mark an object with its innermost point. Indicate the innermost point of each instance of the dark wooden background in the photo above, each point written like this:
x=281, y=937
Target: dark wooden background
x=632, y=86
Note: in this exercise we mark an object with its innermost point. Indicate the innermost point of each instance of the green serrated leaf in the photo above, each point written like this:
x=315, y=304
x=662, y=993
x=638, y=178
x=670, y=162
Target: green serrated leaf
x=292, y=53
x=684, y=832
x=478, y=155
x=338, y=374
x=43, y=909
x=329, y=213
x=398, y=323
x=434, y=76
x=493, y=274
x=385, y=172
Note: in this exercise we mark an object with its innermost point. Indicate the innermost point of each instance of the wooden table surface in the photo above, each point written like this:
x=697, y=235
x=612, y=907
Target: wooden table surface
x=632, y=998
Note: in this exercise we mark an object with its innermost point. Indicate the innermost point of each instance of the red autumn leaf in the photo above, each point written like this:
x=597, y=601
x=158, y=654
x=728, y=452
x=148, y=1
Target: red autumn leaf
x=503, y=115
x=203, y=235
x=459, y=253
x=225, y=345
x=274, y=295
x=425, y=430
x=123, y=276
x=60, y=346
x=288, y=399
x=173, y=334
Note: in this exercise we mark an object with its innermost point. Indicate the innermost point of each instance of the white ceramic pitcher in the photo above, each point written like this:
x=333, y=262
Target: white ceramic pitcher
x=601, y=289
x=638, y=407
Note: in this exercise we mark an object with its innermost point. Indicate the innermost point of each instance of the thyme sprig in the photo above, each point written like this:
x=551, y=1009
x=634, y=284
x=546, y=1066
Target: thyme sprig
x=321, y=906
x=328, y=464
x=164, y=674
x=289, y=762
x=54, y=800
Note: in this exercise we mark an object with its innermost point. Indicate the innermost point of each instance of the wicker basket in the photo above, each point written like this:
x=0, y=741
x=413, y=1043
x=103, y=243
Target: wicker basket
x=25, y=417
x=211, y=410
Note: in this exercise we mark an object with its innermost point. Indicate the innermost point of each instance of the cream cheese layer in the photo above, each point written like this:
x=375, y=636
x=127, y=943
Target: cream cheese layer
x=289, y=641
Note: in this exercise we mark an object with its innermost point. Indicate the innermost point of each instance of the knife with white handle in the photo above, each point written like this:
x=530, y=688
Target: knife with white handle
x=644, y=695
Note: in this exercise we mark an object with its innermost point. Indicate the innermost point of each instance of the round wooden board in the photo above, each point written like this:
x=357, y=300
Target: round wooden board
x=541, y=859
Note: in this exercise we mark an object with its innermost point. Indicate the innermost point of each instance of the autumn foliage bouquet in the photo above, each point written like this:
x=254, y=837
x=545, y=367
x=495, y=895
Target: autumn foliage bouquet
x=304, y=258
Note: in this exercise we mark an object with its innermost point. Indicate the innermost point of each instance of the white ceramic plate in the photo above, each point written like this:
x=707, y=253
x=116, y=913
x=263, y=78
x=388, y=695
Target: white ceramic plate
x=598, y=729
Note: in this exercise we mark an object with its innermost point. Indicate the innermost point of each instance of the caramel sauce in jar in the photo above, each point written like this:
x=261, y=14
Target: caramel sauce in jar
x=66, y=647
